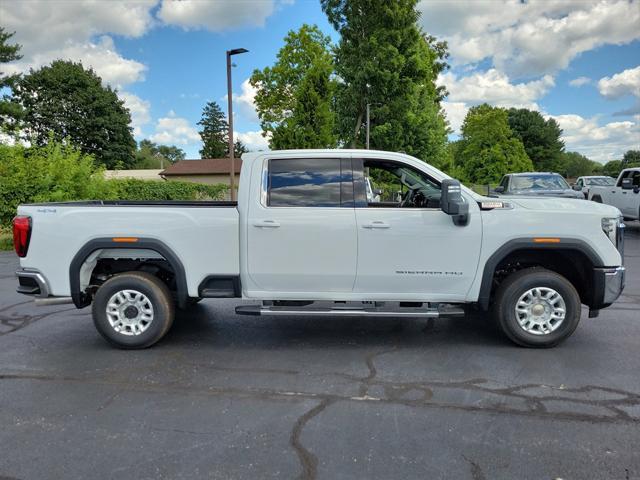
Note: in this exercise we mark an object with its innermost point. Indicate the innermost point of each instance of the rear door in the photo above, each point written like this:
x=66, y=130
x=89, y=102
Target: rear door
x=302, y=232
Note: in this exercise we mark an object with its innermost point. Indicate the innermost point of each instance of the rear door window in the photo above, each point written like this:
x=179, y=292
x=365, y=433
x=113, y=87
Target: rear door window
x=311, y=182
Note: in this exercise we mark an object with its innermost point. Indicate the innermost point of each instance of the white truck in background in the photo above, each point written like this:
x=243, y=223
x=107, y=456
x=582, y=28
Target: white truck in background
x=327, y=232
x=625, y=194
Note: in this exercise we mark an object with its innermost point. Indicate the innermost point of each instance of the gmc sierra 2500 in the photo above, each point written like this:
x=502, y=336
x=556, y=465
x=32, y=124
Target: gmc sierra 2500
x=305, y=238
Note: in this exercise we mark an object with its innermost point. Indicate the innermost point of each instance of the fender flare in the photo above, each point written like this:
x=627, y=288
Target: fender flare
x=81, y=300
x=528, y=244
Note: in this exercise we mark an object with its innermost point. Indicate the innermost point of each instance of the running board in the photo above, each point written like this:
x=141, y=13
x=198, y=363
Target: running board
x=350, y=312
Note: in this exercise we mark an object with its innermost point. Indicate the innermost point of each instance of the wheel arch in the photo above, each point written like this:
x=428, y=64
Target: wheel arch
x=545, y=255
x=81, y=299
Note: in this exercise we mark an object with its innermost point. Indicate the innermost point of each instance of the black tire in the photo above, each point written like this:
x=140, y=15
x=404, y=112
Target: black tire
x=597, y=199
x=514, y=286
x=158, y=296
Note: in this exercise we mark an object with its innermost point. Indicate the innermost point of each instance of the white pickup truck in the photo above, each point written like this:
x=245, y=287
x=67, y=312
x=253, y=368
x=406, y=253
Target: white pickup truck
x=625, y=194
x=305, y=239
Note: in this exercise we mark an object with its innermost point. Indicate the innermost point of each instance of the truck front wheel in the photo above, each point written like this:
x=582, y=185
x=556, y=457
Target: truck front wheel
x=133, y=310
x=536, y=307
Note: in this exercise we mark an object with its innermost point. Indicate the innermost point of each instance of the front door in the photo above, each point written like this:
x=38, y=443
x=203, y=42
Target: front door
x=630, y=199
x=302, y=235
x=407, y=247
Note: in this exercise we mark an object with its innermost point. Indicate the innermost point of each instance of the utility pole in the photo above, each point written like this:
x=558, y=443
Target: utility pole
x=232, y=172
x=368, y=118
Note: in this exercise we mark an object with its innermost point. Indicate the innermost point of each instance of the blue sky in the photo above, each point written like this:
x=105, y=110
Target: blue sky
x=578, y=62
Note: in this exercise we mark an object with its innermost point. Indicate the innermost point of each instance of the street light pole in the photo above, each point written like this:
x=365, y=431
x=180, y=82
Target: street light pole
x=232, y=172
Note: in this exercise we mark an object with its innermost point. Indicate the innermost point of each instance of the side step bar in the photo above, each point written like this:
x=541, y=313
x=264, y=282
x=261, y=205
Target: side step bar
x=441, y=311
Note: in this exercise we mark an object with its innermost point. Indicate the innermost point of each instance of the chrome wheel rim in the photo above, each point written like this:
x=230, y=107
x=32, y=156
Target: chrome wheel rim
x=129, y=312
x=540, y=310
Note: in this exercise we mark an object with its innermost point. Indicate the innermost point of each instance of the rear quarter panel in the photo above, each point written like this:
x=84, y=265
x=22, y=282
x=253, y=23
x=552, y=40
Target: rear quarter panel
x=205, y=239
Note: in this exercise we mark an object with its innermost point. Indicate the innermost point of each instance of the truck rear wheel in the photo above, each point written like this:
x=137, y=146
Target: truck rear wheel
x=133, y=310
x=536, y=307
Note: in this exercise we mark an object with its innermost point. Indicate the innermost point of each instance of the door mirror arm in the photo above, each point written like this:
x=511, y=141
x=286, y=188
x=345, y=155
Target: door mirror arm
x=452, y=203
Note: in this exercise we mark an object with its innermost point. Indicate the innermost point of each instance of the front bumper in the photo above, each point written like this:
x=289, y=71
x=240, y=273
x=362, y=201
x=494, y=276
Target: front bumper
x=608, y=285
x=32, y=282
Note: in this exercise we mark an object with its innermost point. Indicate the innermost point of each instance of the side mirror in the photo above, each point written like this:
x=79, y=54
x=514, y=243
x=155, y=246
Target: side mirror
x=627, y=183
x=377, y=191
x=499, y=189
x=577, y=188
x=452, y=203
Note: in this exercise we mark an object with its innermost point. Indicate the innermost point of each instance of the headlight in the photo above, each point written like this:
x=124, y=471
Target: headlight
x=609, y=226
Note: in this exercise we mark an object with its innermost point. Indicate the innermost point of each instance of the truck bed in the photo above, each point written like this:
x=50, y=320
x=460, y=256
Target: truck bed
x=138, y=203
x=204, y=235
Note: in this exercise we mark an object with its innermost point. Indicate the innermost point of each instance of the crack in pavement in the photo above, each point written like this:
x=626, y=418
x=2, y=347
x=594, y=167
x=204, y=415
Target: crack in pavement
x=536, y=398
x=394, y=390
x=476, y=470
x=15, y=323
x=308, y=461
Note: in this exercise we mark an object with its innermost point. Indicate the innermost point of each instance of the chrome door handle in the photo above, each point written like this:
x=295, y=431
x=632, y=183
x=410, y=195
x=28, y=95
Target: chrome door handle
x=266, y=224
x=376, y=224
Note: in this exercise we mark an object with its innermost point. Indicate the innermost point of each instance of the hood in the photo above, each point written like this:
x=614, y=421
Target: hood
x=564, y=193
x=566, y=205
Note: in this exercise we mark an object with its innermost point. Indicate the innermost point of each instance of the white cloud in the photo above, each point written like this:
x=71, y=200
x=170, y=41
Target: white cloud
x=492, y=87
x=455, y=113
x=580, y=81
x=254, y=141
x=599, y=142
x=244, y=102
x=529, y=38
x=140, y=111
x=495, y=88
x=216, y=16
x=66, y=29
x=101, y=56
x=624, y=83
x=174, y=130
x=43, y=24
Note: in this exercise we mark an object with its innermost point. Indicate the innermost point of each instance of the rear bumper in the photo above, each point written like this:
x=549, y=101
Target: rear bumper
x=32, y=282
x=608, y=284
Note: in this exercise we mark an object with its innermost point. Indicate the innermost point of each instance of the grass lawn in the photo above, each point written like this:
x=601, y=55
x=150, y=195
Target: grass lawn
x=6, y=238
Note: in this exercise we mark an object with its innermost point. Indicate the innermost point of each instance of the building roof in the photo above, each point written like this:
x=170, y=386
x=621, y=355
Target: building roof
x=148, y=174
x=205, y=166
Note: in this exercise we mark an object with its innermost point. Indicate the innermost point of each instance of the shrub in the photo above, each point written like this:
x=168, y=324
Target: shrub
x=58, y=172
x=131, y=189
x=52, y=173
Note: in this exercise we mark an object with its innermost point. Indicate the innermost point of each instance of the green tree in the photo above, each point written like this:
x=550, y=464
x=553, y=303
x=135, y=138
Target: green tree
x=10, y=111
x=574, y=165
x=151, y=155
x=385, y=60
x=214, y=133
x=238, y=149
x=540, y=137
x=294, y=96
x=612, y=168
x=488, y=148
x=71, y=102
x=631, y=158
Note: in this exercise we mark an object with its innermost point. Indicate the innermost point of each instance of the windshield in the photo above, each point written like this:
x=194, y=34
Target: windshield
x=601, y=181
x=538, y=182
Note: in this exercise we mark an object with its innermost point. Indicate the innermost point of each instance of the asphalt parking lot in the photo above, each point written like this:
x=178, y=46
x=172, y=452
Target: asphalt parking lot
x=224, y=396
